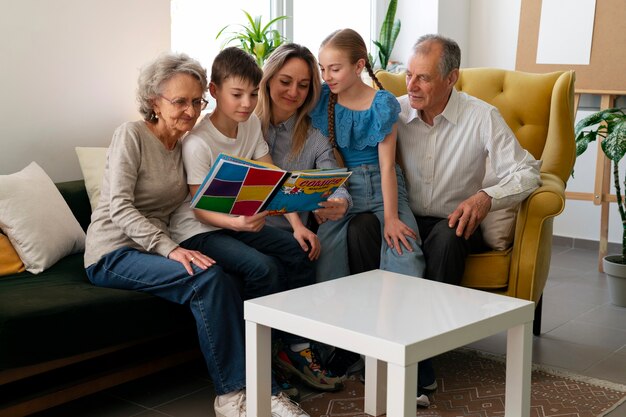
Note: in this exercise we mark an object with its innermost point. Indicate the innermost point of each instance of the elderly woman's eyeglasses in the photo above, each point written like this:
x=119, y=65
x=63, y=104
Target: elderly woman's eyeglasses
x=182, y=104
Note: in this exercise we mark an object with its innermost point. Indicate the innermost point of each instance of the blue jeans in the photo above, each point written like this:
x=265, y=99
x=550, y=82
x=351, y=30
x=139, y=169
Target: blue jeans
x=268, y=261
x=367, y=196
x=211, y=295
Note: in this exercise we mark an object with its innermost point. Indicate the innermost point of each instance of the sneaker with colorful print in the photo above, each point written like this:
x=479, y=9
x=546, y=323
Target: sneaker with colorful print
x=303, y=361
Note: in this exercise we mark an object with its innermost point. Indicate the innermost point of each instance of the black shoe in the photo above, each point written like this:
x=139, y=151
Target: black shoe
x=343, y=362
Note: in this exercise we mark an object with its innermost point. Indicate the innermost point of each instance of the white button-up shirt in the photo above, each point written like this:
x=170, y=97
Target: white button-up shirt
x=444, y=164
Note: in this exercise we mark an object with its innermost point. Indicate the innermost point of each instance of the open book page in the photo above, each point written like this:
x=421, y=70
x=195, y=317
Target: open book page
x=304, y=190
x=244, y=187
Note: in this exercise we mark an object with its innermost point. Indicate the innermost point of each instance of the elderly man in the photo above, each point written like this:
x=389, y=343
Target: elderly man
x=445, y=139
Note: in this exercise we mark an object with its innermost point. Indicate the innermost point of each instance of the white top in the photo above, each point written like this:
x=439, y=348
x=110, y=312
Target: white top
x=200, y=149
x=378, y=313
x=444, y=164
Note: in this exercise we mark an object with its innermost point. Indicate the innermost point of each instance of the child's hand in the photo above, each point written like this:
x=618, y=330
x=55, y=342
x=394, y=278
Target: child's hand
x=308, y=241
x=249, y=223
x=396, y=232
x=331, y=209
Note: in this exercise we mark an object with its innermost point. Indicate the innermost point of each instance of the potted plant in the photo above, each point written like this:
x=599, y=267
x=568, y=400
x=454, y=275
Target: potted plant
x=388, y=34
x=257, y=39
x=610, y=125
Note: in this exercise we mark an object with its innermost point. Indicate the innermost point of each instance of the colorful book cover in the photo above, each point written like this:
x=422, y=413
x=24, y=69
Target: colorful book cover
x=244, y=187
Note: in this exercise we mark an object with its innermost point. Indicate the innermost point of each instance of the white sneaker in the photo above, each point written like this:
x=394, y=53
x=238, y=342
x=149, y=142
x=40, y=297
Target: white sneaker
x=422, y=401
x=230, y=405
x=282, y=406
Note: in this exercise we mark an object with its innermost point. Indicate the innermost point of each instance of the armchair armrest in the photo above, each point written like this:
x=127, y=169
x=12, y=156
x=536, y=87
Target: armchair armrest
x=532, y=247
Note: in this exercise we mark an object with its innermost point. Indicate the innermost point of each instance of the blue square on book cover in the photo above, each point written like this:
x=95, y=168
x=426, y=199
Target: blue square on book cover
x=228, y=172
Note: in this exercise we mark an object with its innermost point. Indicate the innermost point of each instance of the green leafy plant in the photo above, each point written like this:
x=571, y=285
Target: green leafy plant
x=610, y=125
x=255, y=38
x=388, y=34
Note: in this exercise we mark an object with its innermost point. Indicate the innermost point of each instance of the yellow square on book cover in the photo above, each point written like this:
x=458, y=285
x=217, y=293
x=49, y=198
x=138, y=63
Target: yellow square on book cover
x=256, y=193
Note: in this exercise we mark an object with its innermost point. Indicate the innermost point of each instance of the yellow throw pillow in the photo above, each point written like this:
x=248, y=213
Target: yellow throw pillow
x=10, y=262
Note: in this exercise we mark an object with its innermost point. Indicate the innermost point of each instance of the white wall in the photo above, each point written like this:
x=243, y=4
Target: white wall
x=68, y=75
x=486, y=31
x=69, y=70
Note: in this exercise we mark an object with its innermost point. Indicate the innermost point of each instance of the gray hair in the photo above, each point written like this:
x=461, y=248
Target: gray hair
x=450, y=56
x=157, y=72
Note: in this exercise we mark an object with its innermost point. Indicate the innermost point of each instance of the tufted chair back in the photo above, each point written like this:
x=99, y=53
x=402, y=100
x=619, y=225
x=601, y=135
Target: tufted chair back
x=539, y=109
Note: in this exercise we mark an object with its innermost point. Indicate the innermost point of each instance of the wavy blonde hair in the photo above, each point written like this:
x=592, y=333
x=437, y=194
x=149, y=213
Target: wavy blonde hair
x=272, y=66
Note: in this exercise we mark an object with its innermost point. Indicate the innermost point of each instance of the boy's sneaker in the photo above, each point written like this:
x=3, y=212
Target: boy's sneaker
x=230, y=405
x=302, y=360
x=422, y=400
x=282, y=406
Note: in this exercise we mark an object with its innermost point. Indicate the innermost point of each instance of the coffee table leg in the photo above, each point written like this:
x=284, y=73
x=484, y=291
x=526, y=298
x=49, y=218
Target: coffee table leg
x=401, y=390
x=258, y=370
x=518, y=370
x=375, y=386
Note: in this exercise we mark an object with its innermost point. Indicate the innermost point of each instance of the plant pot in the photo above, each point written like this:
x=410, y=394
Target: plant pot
x=616, y=276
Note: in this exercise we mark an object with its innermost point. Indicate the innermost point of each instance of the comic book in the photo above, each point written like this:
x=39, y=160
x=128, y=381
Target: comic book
x=244, y=187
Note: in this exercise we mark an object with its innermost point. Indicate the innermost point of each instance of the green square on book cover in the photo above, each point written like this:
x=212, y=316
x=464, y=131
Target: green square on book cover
x=218, y=204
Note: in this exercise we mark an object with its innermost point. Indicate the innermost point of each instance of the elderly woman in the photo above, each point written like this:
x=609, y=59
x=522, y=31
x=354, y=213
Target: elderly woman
x=128, y=244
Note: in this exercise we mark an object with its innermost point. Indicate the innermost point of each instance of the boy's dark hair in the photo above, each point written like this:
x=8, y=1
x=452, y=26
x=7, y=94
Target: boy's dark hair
x=235, y=62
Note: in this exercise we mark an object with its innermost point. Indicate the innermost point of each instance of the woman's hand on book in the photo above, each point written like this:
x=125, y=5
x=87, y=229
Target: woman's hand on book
x=331, y=209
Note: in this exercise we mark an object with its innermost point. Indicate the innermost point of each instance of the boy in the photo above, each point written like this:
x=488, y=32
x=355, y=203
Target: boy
x=267, y=259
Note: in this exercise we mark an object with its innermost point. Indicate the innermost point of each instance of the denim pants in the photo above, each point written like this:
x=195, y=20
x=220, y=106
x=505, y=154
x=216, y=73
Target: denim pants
x=367, y=196
x=211, y=295
x=268, y=261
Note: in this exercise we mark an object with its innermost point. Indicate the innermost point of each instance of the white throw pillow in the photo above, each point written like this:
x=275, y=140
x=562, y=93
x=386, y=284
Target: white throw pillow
x=92, y=162
x=499, y=226
x=37, y=220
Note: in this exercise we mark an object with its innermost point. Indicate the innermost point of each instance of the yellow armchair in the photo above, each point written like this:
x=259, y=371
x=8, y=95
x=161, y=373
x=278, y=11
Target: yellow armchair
x=539, y=109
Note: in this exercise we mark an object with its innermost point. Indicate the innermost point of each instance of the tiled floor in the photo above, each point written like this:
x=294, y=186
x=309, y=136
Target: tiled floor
x=581, y=333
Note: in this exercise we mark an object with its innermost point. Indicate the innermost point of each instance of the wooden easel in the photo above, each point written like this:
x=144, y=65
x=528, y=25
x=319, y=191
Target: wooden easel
x=601, y=195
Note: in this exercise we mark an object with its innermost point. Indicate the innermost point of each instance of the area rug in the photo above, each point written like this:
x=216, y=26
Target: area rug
x=473, y=384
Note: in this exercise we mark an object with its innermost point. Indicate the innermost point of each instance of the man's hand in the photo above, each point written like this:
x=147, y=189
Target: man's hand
x=469, y=214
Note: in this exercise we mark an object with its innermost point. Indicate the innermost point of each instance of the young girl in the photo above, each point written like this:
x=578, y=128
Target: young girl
x=361, y=123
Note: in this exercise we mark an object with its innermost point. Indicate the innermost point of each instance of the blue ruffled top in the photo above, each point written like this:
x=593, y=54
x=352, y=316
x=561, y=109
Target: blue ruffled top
x=358, y=132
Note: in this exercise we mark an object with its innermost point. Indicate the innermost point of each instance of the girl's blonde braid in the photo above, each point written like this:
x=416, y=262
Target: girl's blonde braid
x=332, y=100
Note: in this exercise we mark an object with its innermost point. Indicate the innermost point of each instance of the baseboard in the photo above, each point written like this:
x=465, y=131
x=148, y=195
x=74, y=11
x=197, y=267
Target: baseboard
x=571, y=242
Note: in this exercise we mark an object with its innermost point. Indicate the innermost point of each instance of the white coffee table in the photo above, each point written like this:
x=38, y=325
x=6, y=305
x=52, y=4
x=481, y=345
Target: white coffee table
x=395, y=321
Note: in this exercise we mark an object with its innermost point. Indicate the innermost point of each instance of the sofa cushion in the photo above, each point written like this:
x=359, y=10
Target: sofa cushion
x=59, y=313
x=10, y=262
x=92, y=161
x=498, y=227
x=37, y=220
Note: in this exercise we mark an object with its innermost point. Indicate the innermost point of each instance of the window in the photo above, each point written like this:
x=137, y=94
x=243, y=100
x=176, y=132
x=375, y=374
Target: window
x=195, y=23
x=314, y=21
